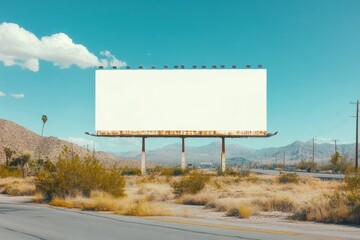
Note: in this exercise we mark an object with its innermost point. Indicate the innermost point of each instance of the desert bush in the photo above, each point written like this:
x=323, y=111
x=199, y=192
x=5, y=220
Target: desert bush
x=288, y=178
x=306, y=165
x=170, y=171
x=342, y=206
x=192, y=183
x=73, y=175
x=127, y=171
x=6, y=172
x=282, y=204
x=199, y=199
x=38, y=165
x=243, y=211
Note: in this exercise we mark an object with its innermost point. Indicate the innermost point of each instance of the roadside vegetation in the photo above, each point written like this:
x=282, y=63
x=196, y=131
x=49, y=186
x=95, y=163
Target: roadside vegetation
x=86, y=184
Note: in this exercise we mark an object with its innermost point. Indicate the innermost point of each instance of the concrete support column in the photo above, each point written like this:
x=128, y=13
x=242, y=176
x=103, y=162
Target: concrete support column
x=183, y=162
x=143, y=168
x=223, y=159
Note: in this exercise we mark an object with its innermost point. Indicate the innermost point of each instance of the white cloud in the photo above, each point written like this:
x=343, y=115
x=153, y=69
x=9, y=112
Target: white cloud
x=18, y=95
x=83, y=142
x=2, y=94
x=111, y=60
x=23, y=48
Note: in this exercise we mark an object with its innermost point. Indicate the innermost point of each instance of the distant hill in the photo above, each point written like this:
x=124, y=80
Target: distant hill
x=25, y=141
x=237, y=154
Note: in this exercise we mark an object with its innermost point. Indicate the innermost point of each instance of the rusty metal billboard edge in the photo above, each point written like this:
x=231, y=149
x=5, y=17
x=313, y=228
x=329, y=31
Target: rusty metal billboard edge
x=181, y=133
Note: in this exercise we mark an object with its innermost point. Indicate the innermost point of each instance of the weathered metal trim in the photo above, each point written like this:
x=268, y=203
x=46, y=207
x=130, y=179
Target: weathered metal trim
x=181, y=133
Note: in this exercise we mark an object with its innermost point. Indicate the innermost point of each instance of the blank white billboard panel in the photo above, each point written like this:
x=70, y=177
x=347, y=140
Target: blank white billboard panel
x=203, y=102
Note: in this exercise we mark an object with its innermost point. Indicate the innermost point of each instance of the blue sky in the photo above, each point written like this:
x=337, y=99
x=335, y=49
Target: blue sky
x=310, y=48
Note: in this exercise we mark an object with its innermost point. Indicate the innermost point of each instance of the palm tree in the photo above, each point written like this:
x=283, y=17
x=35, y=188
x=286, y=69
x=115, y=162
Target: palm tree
x=44, y=119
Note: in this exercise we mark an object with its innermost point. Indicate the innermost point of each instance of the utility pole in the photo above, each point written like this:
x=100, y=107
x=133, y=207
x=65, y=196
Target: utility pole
x=357, y=135
x=335, y=144
x=284, y=162
x=313, y=154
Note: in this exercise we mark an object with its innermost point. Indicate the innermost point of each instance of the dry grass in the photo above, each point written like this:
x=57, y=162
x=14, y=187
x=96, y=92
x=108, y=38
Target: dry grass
x=233, y=195
x=198, y=199
x=244, y=211
x=38, y=198
x=257, y=193
x=17, y=186
x=155, y=192
x=100, y=201
x=148, y=209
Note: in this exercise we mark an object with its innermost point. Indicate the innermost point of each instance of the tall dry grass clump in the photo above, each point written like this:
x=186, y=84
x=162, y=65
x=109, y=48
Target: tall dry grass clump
x=243, y=211
x=6, y=171
x=101, y=201
x=341, y=206
x=73, y=175
x=144, y=208
x=17, y=186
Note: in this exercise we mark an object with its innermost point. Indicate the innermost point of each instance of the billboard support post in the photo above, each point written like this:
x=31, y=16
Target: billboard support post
x=183, y=162
x=223, y=160
x=143, y=168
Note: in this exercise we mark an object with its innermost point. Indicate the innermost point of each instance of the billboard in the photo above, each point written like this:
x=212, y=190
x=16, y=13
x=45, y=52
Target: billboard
x=181, y=102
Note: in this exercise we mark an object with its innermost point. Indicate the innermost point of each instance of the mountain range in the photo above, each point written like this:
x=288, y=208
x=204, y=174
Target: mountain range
x=25, y=141
x=296, y=151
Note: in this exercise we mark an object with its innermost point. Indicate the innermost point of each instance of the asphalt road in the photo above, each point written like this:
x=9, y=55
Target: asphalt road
x=19, y=220
x=330, y=176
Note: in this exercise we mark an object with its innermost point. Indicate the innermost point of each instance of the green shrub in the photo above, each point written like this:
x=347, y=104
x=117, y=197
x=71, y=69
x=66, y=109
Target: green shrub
x=170, y=171
x=192, y=183
x=73, y=175
x=127, y=171
x=288, y=178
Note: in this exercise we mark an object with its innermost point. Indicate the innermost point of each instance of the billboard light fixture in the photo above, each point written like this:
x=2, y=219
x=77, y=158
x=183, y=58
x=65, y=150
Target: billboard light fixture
x=153, y=67
x=114, y=67
x=222, y=66
x=176, y=66
x=182, y=66
x=166, y=66
x=203, y=66
x=233, y=66
x=101, y=67
x=127, y=67
x=213, y=66
x=194, y=66
x=259, y=65
x=141, y=67
x=248, y=66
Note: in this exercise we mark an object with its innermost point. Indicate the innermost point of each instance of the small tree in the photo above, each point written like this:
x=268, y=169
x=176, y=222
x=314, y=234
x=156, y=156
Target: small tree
x=339, y=163
x=8, y=154
x=335, y=159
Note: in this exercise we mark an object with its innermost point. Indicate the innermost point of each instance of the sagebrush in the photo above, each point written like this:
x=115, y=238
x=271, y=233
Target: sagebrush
x=73, y=175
